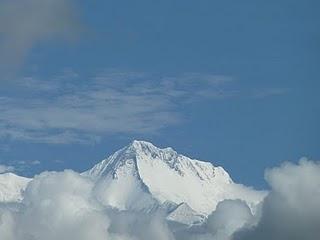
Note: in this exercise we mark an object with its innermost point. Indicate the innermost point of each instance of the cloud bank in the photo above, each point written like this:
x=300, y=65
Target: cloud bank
x=63, y=205
x=292, y=209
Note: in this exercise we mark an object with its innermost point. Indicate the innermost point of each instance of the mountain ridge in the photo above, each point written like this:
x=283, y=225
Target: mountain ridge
x=165, y=175
x=143, y=177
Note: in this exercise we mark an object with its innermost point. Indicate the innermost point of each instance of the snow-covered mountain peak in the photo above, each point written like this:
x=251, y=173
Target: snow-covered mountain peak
x=141, y=175
x=139, y=144
x=147, y=149
x=138, y=154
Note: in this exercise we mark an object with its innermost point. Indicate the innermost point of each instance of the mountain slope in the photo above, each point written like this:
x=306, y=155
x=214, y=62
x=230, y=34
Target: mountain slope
x=142, y=176
x=12, y=187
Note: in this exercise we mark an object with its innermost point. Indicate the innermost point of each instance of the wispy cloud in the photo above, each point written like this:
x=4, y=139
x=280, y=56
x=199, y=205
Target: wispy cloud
x=68, y=109
x=5, y=168
x=268, y=92
x=19, y=166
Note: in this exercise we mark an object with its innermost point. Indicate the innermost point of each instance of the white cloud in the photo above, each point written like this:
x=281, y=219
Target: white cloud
x=35, y=162
x=230, y=216
x=57, y=206
x=22, y=166
x=5, y=168
x=292, y=209
x=63, y=205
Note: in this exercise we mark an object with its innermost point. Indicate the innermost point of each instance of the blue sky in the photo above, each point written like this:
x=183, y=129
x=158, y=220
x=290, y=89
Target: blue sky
x=232, y=82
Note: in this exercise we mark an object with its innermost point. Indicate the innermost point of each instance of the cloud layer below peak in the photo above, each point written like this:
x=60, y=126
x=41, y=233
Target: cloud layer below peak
x=63, y=205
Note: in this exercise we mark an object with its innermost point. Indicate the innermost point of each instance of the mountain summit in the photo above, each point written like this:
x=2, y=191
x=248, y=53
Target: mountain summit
x=141, y=176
